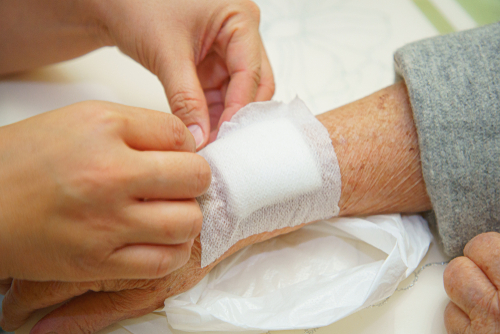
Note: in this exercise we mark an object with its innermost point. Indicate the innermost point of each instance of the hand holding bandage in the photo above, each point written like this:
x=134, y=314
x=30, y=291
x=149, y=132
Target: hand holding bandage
x=208, y=55
x=73, y=186
x=376, y=145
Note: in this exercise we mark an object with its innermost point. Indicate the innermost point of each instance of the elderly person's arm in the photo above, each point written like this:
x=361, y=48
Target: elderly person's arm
x=377, y=149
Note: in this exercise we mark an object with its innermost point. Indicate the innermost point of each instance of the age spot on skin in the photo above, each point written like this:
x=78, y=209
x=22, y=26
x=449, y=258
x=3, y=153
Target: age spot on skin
x=382, y=101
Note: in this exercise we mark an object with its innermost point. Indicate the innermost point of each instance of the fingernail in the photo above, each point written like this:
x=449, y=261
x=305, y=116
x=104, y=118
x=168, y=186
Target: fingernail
x=197, y=133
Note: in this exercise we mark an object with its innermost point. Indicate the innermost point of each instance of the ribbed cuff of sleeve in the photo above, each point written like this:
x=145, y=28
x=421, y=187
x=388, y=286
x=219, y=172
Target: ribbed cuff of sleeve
x=454, y=87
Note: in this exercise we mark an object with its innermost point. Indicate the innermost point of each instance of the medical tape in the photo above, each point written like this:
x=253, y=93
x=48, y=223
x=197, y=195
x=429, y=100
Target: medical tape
x=273, y=166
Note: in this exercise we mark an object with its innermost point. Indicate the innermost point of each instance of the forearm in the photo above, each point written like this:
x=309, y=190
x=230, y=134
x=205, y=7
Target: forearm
x=36, y=33
x=376, y=144
x=377, y=149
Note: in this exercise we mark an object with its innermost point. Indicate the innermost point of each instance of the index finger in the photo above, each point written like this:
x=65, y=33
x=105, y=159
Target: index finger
x=244, y=62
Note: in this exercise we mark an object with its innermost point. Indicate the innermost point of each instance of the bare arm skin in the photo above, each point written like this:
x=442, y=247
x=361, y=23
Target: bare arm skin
x=377, y=148
x=38, y=33
x=376, y=145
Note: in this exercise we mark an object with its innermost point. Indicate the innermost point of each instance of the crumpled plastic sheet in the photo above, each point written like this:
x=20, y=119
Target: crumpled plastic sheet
x=305, y=279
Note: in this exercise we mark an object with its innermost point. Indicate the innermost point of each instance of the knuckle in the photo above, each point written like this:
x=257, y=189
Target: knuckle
x=188, y=227
x=451, y=272
x=202, y=174
x=93, y=256
x=100, y=182
x=111, y=120
x=255, y=74
x=486, y=309
x=99, y=112
x=182, y=257
x=176, y=131
x=253, y=9
x=171, y=261
x=101, y=171
x=184, y=104
x=164, y=266
x=196, y=221
x=489, y=240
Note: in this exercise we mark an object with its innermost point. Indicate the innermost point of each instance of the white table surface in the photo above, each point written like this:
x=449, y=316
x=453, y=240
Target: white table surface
x=329, y=52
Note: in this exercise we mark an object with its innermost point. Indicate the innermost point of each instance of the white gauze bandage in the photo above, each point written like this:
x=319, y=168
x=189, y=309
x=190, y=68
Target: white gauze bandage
x=273, y=166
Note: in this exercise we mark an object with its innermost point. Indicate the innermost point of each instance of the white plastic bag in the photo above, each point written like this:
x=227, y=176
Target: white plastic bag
x=306, y=279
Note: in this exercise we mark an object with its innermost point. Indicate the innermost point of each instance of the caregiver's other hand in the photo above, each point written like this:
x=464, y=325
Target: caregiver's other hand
x=472, y=282
x=208, y=54
x=73, y=185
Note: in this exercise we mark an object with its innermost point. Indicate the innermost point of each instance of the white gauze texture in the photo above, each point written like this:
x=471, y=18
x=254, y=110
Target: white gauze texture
x=273, y=166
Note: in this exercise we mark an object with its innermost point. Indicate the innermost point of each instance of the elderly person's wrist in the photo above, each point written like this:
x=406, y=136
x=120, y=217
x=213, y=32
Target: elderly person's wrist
x=377, y=148
x=376, y=144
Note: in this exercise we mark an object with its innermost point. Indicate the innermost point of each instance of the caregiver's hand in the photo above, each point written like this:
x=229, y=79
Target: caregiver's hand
x=72, y=188
x=472, y=282
x=208, y=54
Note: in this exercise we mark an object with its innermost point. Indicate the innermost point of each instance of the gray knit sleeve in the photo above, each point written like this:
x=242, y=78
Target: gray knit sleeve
x=454, y=87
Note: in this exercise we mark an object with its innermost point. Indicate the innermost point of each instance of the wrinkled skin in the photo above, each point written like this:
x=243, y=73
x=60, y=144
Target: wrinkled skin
x=472, y=282
x=96, y=305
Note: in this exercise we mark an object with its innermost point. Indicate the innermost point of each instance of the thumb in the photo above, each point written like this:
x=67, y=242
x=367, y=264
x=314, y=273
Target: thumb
x=185, y=94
